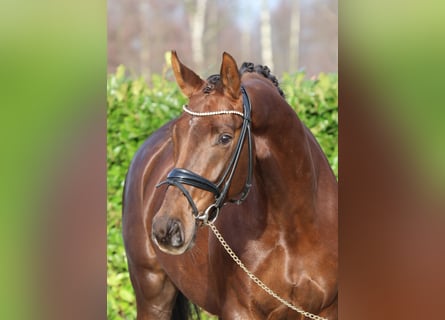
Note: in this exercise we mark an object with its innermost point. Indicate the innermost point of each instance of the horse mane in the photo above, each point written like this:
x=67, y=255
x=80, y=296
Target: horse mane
x=214, y=81
x=264, y=71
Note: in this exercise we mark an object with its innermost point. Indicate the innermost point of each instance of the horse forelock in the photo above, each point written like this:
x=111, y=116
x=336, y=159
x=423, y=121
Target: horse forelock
x=213, y=83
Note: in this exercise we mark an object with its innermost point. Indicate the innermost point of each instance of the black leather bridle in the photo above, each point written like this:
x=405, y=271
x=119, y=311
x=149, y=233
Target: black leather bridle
x=178, y=177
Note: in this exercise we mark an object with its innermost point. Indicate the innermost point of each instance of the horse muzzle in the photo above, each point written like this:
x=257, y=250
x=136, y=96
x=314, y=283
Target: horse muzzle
x=169, y=234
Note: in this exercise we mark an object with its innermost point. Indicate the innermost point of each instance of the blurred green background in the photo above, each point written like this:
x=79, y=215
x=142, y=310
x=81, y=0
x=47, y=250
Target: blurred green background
x=53, y=62
x=52, y=89
x=138, y=106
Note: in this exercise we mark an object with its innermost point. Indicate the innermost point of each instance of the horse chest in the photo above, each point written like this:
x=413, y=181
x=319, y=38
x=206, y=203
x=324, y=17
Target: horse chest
x=281, y=270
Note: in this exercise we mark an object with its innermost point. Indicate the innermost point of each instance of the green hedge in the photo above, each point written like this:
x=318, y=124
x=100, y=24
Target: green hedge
x=136, y=109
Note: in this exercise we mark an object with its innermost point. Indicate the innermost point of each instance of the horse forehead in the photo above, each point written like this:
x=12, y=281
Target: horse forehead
x=208, y=102
x=198, y=126
x=213, y=101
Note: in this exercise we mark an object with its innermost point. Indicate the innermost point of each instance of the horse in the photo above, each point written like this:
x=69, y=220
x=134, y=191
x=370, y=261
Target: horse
x=232, y=206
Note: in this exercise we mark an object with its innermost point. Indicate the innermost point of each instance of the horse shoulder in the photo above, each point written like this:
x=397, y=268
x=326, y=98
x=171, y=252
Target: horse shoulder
x=150, y=162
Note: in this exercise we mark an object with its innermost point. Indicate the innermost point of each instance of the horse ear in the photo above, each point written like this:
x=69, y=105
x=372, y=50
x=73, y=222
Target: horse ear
x=230, y=76
x=188, y=81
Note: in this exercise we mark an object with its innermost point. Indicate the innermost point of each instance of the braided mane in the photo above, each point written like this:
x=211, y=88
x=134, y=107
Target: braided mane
x=214, y=81
x=263, y=70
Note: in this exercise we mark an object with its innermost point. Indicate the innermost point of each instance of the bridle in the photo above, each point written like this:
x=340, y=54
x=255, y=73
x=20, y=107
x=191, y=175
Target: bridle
x=179, y=177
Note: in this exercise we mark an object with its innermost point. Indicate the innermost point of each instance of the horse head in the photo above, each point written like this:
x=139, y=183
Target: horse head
x=211, y=161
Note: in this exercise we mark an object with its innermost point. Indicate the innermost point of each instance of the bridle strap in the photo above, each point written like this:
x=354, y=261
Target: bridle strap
x=185, y=176
x=246, y=124
x=179, y=176
x=231, y=168
x=181, y=187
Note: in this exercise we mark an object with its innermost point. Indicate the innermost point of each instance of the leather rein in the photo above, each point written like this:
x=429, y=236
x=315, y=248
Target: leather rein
x=179, y=177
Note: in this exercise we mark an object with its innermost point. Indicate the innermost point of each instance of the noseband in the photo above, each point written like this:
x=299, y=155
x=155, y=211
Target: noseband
x=178, y=177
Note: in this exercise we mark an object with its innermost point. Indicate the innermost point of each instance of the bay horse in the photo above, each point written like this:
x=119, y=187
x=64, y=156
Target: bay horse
x=240, y=162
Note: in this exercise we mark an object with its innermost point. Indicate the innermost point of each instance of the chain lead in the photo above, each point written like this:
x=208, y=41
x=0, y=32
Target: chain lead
x=255, y=279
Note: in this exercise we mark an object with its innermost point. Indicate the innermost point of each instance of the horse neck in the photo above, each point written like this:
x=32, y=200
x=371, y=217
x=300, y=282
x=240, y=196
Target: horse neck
x=287, y=161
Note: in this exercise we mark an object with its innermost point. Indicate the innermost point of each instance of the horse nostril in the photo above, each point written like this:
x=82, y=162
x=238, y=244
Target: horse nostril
x=175, y=233
x=168, y=232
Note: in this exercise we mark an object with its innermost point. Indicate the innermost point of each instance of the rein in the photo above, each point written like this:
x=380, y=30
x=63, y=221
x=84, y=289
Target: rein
x=180, y=176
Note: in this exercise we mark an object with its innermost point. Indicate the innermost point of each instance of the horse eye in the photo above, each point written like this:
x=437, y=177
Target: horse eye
x=224, y=139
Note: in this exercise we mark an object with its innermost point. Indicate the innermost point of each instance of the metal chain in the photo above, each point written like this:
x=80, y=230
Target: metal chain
x=255, y=279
